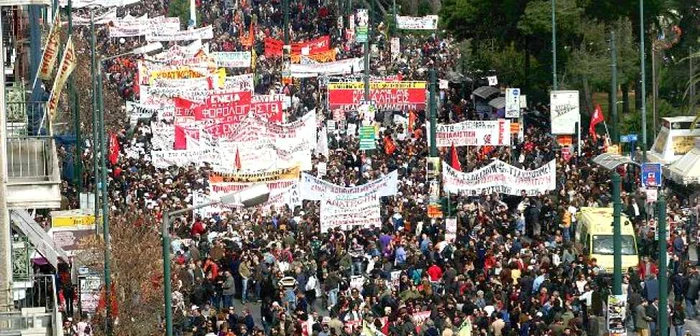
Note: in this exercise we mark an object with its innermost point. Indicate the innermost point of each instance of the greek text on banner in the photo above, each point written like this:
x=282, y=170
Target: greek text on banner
x=502, y=178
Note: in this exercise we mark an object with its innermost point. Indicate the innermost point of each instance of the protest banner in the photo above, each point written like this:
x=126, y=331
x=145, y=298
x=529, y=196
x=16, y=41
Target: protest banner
x=450, y=229
x=100, y=19
x=223, y=106
x=564, y=111
x=395, y=47
x=136, y=111
x=253, y=156
x=315, y=189
x=232, y=59
x=348, y=211
x=163, y=136
x=281, y=192
x=181, y=158
x=269, y=107
x=271, y=175
x=142, y=26
x=68, y=63
x=420, y=317
x=428, y=22
x=98, y=3
x=239, y=83
x=500, y=177
x=50, y=53
x=341, y=67
x=273, y=47
x=204, y=33
x=395, y=280
x=474, y=133
x=385, y=95
x=177, y=73
x=323, y=57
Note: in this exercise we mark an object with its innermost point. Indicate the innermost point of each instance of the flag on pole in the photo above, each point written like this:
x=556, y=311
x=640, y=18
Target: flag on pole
x=48, y=57
x=238, y=160
x=596, y=119
x=68, y=63
x=113, y=149
x=454, y=159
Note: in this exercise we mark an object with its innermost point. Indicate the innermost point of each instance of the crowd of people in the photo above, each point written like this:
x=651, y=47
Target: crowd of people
x=511, y=269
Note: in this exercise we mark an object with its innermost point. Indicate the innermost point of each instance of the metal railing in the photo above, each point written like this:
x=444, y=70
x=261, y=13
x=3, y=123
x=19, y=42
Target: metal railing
x=41, y=293
x=29, y=149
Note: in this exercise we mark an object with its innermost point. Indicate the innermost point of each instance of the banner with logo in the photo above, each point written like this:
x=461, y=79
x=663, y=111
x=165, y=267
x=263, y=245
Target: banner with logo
x=50, y=53
x=232, y=59
x=474, y=133
x=66, y=67
x=204, y=33
x=315, y=189
x=428, y=22
x=271, y=175
x=385, y=95
x=502, y=178
x=342, y=67
x=564, y=111
x=273, y=47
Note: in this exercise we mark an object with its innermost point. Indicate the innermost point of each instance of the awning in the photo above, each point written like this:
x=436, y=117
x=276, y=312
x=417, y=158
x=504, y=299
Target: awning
x=610, y=161
x=685, y=170
x=41, y=240
x=486, y=92
x=498, y=103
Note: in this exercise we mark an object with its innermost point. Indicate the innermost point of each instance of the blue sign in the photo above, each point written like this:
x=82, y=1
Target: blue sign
x=628, y=138
x=651, y=174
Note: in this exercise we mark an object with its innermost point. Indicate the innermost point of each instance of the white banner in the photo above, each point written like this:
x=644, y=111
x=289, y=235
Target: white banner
x=450, y=229
x=181, y=158
x=512, y=103
x=136, y=111
x=312, y=188
x=352, y=210
x=500, y=177
x=102, y=19
x=474, y=133
x=163, y=136
x=564, y=111
x=140, y=26
x=204, y=33
x=99, y=3
x=343, y=67
x=282, y=192
x=240, y=83
x=232, y=59
x=395, y=47
x=428, y=22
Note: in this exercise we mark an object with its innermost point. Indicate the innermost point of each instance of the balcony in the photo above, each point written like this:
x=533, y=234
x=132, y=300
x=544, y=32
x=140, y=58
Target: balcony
x=33, y=174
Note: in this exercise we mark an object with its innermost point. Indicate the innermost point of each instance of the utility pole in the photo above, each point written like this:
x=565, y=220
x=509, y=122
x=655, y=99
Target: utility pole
x=366, y=47
x=433, y=114
x=613, y=90
x=642, y=63
x=663, y=272
x=75, y=107
x=167, y=283
x=285, y=7
x=95, y=122
x=617, y=234
x=654, y=89
x=393, y=13
x=555, y=86
x=105, y=204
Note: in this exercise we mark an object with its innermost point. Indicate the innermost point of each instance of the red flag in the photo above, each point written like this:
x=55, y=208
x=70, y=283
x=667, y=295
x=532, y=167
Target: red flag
x=389, y=146
x=113, y=149
x=411, y=120
x=596, y=118
x=454, y=159
x=238, y=160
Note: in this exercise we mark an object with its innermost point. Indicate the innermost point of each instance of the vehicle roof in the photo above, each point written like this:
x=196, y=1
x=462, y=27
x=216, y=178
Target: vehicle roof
x=600, y=221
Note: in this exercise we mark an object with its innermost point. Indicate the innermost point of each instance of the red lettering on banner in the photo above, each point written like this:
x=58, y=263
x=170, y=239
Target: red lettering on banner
x=403, y=99
x=273, y=47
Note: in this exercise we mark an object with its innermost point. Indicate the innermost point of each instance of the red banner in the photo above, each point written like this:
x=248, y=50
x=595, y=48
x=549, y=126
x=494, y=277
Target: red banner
x=385, y=95
x=273, y=47
x=231, y=107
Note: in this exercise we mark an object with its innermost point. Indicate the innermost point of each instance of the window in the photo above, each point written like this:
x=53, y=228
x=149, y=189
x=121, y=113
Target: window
x=603, y=244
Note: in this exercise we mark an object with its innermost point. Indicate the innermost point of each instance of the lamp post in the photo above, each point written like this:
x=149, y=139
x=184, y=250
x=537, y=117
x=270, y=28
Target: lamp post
x=642, y=63
x=75, y=107
x=663, y=272
x=433, y=114
x=613, y=90
x=99, y=115
x=617, y=235
x=554, y=45
x=249, y=197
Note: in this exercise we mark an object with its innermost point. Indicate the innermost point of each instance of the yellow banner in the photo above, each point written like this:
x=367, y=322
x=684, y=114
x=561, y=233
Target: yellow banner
x=68, y=63
x=179, y=73
x=72, y=221
x=378, y=85
x=272, y=175
x=48, y=58
x=326, y=56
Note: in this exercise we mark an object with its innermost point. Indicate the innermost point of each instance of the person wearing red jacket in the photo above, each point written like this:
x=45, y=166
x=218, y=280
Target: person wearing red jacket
x=646, y=267
x=434, y=272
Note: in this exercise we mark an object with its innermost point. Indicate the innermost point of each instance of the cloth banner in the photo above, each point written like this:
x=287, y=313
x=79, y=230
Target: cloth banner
x=500, y=177
x=136, y=111
x=48, y=57
x=204, y=33
x=181, y=158
x=395, y=47
x=322, y=57
x=102, y=19
x=273, y=47
x=428, y=22
x=315, y=189
x=348, y=211
x=282, y=193
x=254, y=156
x=177, y=73
x=564, y=111
x=239, y=83
x=271, y=175
x=474, y=133
x=343, y=67
x=232, y=59
x=99, y=3
x=142, y=26
x=66, y=67
x=384, y=95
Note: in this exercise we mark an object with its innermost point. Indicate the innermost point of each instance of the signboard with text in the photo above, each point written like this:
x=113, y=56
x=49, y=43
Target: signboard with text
x=385, y=95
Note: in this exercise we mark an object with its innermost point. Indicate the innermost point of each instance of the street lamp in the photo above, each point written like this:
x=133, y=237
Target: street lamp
x=249, y=197
x=99, y=117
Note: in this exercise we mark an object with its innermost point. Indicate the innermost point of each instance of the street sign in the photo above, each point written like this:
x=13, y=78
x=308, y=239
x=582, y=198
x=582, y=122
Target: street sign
x=628, y=138
x=651, y=174
x=513, y=103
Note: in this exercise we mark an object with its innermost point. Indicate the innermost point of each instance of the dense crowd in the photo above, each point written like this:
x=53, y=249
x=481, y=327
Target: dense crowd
x=511, y=270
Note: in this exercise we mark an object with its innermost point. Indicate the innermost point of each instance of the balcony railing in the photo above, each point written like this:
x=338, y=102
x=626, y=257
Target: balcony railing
x=29, y=150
